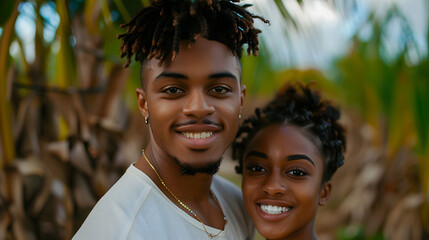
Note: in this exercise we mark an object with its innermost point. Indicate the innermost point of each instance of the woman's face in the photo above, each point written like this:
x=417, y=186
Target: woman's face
x=282, y=182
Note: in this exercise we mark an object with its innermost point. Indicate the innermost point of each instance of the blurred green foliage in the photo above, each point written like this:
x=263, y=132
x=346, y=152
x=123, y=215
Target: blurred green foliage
x=356, y=233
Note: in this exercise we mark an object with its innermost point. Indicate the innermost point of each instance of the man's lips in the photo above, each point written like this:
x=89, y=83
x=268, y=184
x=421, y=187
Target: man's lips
x=197, y=128
x=198, y=135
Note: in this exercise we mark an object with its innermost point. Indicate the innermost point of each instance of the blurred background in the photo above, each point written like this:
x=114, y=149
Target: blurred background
x=69, y=125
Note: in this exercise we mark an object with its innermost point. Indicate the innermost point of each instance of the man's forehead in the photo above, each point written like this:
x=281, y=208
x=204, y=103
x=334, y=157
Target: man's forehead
x=198, y=49
x=204, y=54
x=199, y=59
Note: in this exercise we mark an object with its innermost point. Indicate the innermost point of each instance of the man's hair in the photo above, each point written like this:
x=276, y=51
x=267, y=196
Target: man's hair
x=157, y=30
x=298, y=105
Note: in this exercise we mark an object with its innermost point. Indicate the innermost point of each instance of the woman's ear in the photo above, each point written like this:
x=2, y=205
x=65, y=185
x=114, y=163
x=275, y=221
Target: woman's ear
x=142, y=102
x=325, y=193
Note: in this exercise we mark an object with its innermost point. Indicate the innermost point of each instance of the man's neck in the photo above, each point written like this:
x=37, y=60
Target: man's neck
x=191, y=190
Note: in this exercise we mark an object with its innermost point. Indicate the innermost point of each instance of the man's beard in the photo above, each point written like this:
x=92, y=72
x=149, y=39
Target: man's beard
x=188, y=169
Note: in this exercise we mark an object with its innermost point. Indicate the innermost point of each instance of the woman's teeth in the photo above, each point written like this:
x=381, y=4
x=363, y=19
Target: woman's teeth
x=194, y=135
x=270, y=209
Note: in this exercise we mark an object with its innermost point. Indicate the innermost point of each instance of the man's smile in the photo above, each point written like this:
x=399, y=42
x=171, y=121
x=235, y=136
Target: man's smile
x=197, y=135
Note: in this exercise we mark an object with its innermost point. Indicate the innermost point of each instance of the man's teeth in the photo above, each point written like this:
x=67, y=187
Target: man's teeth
x=270, y=209
x=194, y=135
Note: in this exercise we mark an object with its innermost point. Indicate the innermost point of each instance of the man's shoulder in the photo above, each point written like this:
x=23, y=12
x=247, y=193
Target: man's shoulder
x=131, y=189
x=117, y=207
x=222, y=185
x=133, y=178
x=233, y=206
x=228, y=192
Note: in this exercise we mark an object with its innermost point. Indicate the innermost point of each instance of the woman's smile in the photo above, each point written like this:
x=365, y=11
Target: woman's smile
x=282, y=173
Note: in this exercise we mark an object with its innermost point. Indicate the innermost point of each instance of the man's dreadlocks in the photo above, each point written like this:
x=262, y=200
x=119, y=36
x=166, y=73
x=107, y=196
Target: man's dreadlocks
x=156, y=31
x=302, y=107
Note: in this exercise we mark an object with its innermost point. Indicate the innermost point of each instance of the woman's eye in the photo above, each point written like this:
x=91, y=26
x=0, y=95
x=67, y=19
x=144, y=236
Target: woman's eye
x=256, y=168
x=220, y=89
x=297, y=172
x=173, y=90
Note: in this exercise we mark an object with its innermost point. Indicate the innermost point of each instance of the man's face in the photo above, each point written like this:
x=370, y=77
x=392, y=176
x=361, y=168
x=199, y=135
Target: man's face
x=193, y=103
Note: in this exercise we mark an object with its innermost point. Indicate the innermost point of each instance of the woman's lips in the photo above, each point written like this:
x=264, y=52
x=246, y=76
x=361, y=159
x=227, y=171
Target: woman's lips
x=273, y=210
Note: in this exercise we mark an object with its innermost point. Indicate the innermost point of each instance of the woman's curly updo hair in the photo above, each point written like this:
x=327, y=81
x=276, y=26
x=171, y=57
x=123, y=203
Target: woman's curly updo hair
x=300, y=106
x=156, y=31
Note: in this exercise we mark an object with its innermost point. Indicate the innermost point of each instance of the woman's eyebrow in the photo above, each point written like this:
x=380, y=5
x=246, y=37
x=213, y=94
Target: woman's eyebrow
x=298, y=157
x=257, y=154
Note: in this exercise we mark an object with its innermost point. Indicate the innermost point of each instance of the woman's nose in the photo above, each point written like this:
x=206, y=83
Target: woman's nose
x=275, y=185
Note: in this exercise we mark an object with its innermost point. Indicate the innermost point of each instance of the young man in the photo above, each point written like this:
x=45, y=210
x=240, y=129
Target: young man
x=191, y=98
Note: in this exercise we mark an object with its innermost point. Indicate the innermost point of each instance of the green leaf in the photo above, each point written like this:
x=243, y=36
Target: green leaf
x=7, y=142
x=421, y=113
x=122, y=10
x=285, y=13
x=6, y=10
x=66, y=67
x=91, y=15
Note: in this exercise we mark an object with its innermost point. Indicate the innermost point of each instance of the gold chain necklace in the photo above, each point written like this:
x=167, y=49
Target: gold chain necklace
x=181, y=203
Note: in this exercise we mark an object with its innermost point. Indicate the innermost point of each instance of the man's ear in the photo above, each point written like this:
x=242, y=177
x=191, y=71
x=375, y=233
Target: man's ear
x=142, y=102
x=242, y=95
x=325, y=193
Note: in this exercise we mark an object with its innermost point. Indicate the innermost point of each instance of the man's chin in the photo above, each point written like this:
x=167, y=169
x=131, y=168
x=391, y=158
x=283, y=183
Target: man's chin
x=190, y=170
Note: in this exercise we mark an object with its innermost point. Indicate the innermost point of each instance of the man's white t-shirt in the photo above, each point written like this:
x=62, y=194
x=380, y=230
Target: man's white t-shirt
x=135, y=208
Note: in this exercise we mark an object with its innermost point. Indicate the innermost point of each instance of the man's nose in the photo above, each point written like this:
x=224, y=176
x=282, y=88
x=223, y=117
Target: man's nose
x=198, y=104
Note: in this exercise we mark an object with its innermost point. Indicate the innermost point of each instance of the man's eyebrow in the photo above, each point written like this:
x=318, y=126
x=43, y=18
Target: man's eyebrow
x=298, y=157
x=182, y=76
x=171, y=75
x=223, y=75
x=257, y=154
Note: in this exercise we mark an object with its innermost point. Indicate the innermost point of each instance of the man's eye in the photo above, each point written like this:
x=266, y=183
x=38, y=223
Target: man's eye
x=173, y=90
x=220, y=89
x=297, y=172
x=256, y=168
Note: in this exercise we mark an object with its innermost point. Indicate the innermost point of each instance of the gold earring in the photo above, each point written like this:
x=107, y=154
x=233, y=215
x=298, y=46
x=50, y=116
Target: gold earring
x=146, y=119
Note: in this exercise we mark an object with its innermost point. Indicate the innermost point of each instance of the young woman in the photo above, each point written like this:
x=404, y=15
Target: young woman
x=287, y=154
